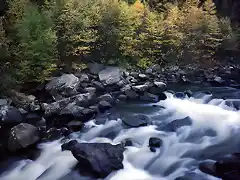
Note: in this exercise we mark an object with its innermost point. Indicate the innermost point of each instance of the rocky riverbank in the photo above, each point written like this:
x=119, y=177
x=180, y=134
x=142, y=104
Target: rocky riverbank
x=65, y=103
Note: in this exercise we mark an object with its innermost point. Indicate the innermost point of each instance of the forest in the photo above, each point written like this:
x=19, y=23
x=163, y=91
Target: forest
x=39, y=38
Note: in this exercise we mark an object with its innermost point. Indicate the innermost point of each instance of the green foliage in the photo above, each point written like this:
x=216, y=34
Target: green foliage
x=36, y=49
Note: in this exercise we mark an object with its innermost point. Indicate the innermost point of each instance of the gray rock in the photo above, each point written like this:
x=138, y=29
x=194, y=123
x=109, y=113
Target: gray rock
x=125, y=88
x=88, y=114
x=140, y=88
x=101, y=158
x=22, y=135
x=84, y=100
x=66, y=85
x=10, y=115
x=136, y=120
x=72, y=110
x=110, y=75
x=122, y=97
x=106, y=97
x=95, y=68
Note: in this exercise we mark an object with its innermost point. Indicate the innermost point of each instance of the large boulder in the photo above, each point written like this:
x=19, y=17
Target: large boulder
x=106, y=97
x=22, y=136
x=136, y=120
x=66, y=85
x=100, y=158
x=110, y=75
x=10, y=115
x=140, y=88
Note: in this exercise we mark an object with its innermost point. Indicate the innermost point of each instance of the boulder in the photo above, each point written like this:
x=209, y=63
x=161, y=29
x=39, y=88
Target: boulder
x=10, y=115
x=143, y=76
x=22, y=136
x=158, y=88
x=175, y=124
x=154, y=143
x=106, y=97
x=162, y=97
x=104, y=105
x=83, y=77
x=95, y=68
x=179, y=95
x=88, y=114
x=91, y=90
x=52, y=134
x=66, y=85
x=4, y=102
x=75, y=126
x=100, y=158
x=131, y=94
x=72, y=111
x=140, y=88
x=110, y=75
x=136, y=120
x=84, y=100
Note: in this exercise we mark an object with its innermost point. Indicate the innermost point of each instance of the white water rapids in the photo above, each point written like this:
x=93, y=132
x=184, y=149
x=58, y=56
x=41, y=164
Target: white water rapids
x=212, y=134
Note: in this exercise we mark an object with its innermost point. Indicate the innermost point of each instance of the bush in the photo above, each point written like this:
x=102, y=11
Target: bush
x=36, y=46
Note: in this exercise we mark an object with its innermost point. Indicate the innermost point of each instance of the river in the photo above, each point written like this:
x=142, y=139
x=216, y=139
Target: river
x=213, y=132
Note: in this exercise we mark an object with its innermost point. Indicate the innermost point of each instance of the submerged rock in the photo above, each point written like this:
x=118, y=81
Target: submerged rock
x=69, y=145
x=10, y=115
x=110, y=75
x=101, y=158
x=22, y=136
x=136, y=120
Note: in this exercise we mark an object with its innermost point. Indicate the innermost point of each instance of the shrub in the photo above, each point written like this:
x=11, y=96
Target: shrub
x=36, y=48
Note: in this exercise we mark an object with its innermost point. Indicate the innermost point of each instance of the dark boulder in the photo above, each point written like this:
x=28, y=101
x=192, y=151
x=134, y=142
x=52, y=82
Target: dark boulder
x=132, y=95
x=52, y=134
x=88, y=114
x=136, y=120
x=22, y=136
x=95, y=68
x=106, y=97
x=91, y=90
x=101, y=158
x=175, y=124
x=75, y=126
x=154, y=143
x=162, y=96
x=66, y=85
x=10, y=115
x=127, y=142
x=110, y=75
x=179, y=95
x=140, y=88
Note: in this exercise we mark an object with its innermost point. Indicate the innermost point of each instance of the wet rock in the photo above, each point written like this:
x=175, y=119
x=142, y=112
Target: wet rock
x=179, y=95
x=158, y=88
x=95, y=68
x=10, y=115
x=69, y=145
x=127, y=142
x=33, y=118
x=101, y=158
x=149, y=97
x=52, y=134
x=110, y=75
x=218, y=81
x=136, y=120
x=184, y=80
x=72, y=110
x=155, y=142
x=84, y=100
x=106, y=97
x=189, y=93
x=209, y=167
x=22, y=136
x=75, y=126
x=175, y=124
x=162, y=97
x=140, y=88
x=104, y=105
x=98, y=85
x=66, y=85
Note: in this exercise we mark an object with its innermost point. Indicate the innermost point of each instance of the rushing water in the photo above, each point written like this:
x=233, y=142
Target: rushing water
x=213, y=133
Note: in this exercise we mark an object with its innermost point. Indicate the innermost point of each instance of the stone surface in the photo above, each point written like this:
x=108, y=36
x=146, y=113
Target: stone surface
x=101, y=158
x=110, y=75
x=106, y=97
x=154, y=143
x=22, y=136
x=149, y=97
x=104, y=105
x=66, y=85
x=136, y=120
x=140, y=88
x=10, y=115
x=75, y=126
